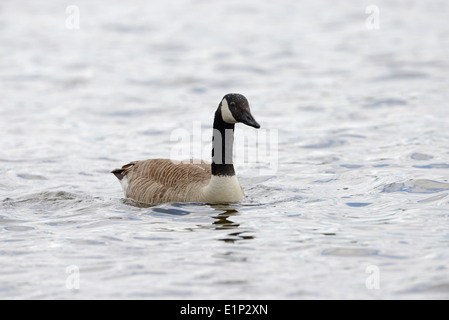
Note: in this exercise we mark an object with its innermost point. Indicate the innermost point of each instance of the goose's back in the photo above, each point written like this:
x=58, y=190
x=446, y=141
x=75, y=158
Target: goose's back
x=165, y=180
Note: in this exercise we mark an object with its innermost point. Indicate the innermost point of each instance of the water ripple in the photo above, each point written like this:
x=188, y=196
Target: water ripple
x=417, y=186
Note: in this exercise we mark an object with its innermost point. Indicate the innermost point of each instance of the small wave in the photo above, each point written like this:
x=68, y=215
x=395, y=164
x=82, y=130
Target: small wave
x=385, y=103
x=262, y=195
x=433, y=198
x=417, y=186
x=358, y=204
x=434, y=166
x=421, y=156
x=44, y=201
x=47, y=196
x=171, y=211
x=330, y=143
x=350, y=252
x=28, y=176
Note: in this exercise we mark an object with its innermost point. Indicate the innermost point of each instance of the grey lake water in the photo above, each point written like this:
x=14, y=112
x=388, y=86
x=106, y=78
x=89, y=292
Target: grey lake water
x=348, y=197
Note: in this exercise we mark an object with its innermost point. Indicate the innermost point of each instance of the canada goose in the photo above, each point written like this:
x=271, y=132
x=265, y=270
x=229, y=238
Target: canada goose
x=165, y=180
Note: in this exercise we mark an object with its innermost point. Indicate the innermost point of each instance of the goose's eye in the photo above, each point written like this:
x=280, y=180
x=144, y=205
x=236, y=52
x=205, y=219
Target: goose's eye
x=232, y=104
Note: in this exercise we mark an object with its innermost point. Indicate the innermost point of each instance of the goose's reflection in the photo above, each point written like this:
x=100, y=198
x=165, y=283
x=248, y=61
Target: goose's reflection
x=223, y=221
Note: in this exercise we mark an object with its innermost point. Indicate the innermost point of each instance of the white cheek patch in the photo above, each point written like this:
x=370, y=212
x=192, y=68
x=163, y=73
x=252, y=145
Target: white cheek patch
x=226, y=113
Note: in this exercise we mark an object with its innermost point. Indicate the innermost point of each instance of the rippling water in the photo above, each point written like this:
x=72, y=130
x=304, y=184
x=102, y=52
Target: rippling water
x=357, y=205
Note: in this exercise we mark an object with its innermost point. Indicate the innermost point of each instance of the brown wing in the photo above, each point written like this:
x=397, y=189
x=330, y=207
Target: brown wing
x=162, y=180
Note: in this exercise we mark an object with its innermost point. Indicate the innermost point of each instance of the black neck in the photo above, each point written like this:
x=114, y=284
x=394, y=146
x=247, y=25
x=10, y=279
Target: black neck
x=222, y=147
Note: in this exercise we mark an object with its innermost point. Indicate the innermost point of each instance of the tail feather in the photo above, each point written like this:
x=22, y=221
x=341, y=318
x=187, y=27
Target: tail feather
x=118, y=173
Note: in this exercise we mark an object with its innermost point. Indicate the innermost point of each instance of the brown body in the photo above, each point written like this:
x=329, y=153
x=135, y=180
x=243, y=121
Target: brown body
x=164, y=180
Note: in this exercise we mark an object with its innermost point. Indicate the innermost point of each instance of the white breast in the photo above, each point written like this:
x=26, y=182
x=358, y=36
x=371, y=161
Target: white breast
x=223, y=189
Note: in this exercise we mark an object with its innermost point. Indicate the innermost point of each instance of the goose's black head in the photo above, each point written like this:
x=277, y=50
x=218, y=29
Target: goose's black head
x=235, y=108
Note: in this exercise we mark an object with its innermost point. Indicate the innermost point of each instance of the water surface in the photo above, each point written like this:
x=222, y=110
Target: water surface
x=356, y=205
